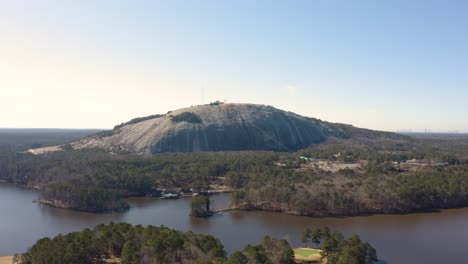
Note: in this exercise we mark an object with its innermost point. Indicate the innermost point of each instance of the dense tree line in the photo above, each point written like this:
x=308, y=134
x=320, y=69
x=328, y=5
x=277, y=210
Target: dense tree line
x=68, y=175
x=377, y=187
x=269, y=251
x=75, y=195
x=361, y=193
x=84, y=177
x=140, y=245
x=133, y=244
x=338, y=250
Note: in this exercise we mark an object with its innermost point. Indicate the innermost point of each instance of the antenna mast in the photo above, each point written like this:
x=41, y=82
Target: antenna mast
x=202, y=95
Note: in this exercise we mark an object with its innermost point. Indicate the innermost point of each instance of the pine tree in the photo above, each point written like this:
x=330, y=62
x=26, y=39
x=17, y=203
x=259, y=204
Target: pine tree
x=130, y=253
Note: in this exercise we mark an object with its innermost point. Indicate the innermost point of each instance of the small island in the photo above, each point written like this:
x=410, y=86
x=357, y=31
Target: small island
x=200, y=206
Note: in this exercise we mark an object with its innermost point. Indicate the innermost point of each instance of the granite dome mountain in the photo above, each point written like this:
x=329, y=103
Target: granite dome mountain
x=219, y=127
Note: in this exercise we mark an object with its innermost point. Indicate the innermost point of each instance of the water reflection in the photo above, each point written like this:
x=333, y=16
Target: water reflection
x=416, y=238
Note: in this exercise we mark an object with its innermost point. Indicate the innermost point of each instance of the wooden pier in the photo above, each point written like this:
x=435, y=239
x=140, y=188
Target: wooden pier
x=222, y=210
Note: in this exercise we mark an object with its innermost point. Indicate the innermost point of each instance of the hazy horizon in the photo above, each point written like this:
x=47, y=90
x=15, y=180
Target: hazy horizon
x=392, y=66
x=402, y=131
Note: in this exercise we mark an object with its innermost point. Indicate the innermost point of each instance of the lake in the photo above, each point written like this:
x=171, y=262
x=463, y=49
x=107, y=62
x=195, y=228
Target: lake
x=440, y=237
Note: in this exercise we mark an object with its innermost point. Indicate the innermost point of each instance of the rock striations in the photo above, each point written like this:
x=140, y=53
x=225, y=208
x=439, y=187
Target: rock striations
x=219, y=127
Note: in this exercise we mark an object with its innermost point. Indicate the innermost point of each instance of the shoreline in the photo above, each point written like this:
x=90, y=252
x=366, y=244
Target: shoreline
x=61, y=205
x=245, y=206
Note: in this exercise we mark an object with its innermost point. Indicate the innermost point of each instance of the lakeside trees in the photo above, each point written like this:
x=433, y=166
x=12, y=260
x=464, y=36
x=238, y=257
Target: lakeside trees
x=140, y=245
x=378, y=191
x=81, y=177
x=338, y=250
x=133, y=244
x=82, y=197
x=200, y=206
x=378, y=185
x=269, y=251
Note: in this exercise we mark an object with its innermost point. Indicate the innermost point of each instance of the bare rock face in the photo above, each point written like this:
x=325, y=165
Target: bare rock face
x=222, y=127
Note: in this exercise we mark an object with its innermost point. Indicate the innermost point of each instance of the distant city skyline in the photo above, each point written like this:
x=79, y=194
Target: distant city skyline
x=393, y=65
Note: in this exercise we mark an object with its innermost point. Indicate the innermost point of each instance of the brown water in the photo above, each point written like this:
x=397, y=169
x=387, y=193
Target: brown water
x=417, y=238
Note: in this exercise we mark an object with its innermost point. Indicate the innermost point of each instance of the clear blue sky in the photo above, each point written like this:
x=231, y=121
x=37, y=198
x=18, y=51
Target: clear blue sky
x=387, y=65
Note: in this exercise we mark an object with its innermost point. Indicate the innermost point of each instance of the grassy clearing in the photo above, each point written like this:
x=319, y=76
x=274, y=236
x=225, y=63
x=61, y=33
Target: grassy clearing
x=307, y=253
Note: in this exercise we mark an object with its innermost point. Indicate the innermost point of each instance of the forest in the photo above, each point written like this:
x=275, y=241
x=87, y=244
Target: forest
x=139, y=245
x=379, y=185
x=392, y=175
x=337, y=249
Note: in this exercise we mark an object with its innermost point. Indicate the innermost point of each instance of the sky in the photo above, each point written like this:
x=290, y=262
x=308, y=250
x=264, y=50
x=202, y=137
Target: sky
x=386, y=65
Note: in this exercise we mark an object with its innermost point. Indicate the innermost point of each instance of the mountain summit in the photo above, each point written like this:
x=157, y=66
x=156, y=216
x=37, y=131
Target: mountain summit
x=218, y=127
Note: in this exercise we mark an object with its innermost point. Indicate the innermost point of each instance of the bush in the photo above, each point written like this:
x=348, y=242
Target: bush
x=188, y=117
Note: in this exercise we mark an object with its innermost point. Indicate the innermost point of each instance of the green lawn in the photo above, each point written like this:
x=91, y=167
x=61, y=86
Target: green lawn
x=306, y=252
